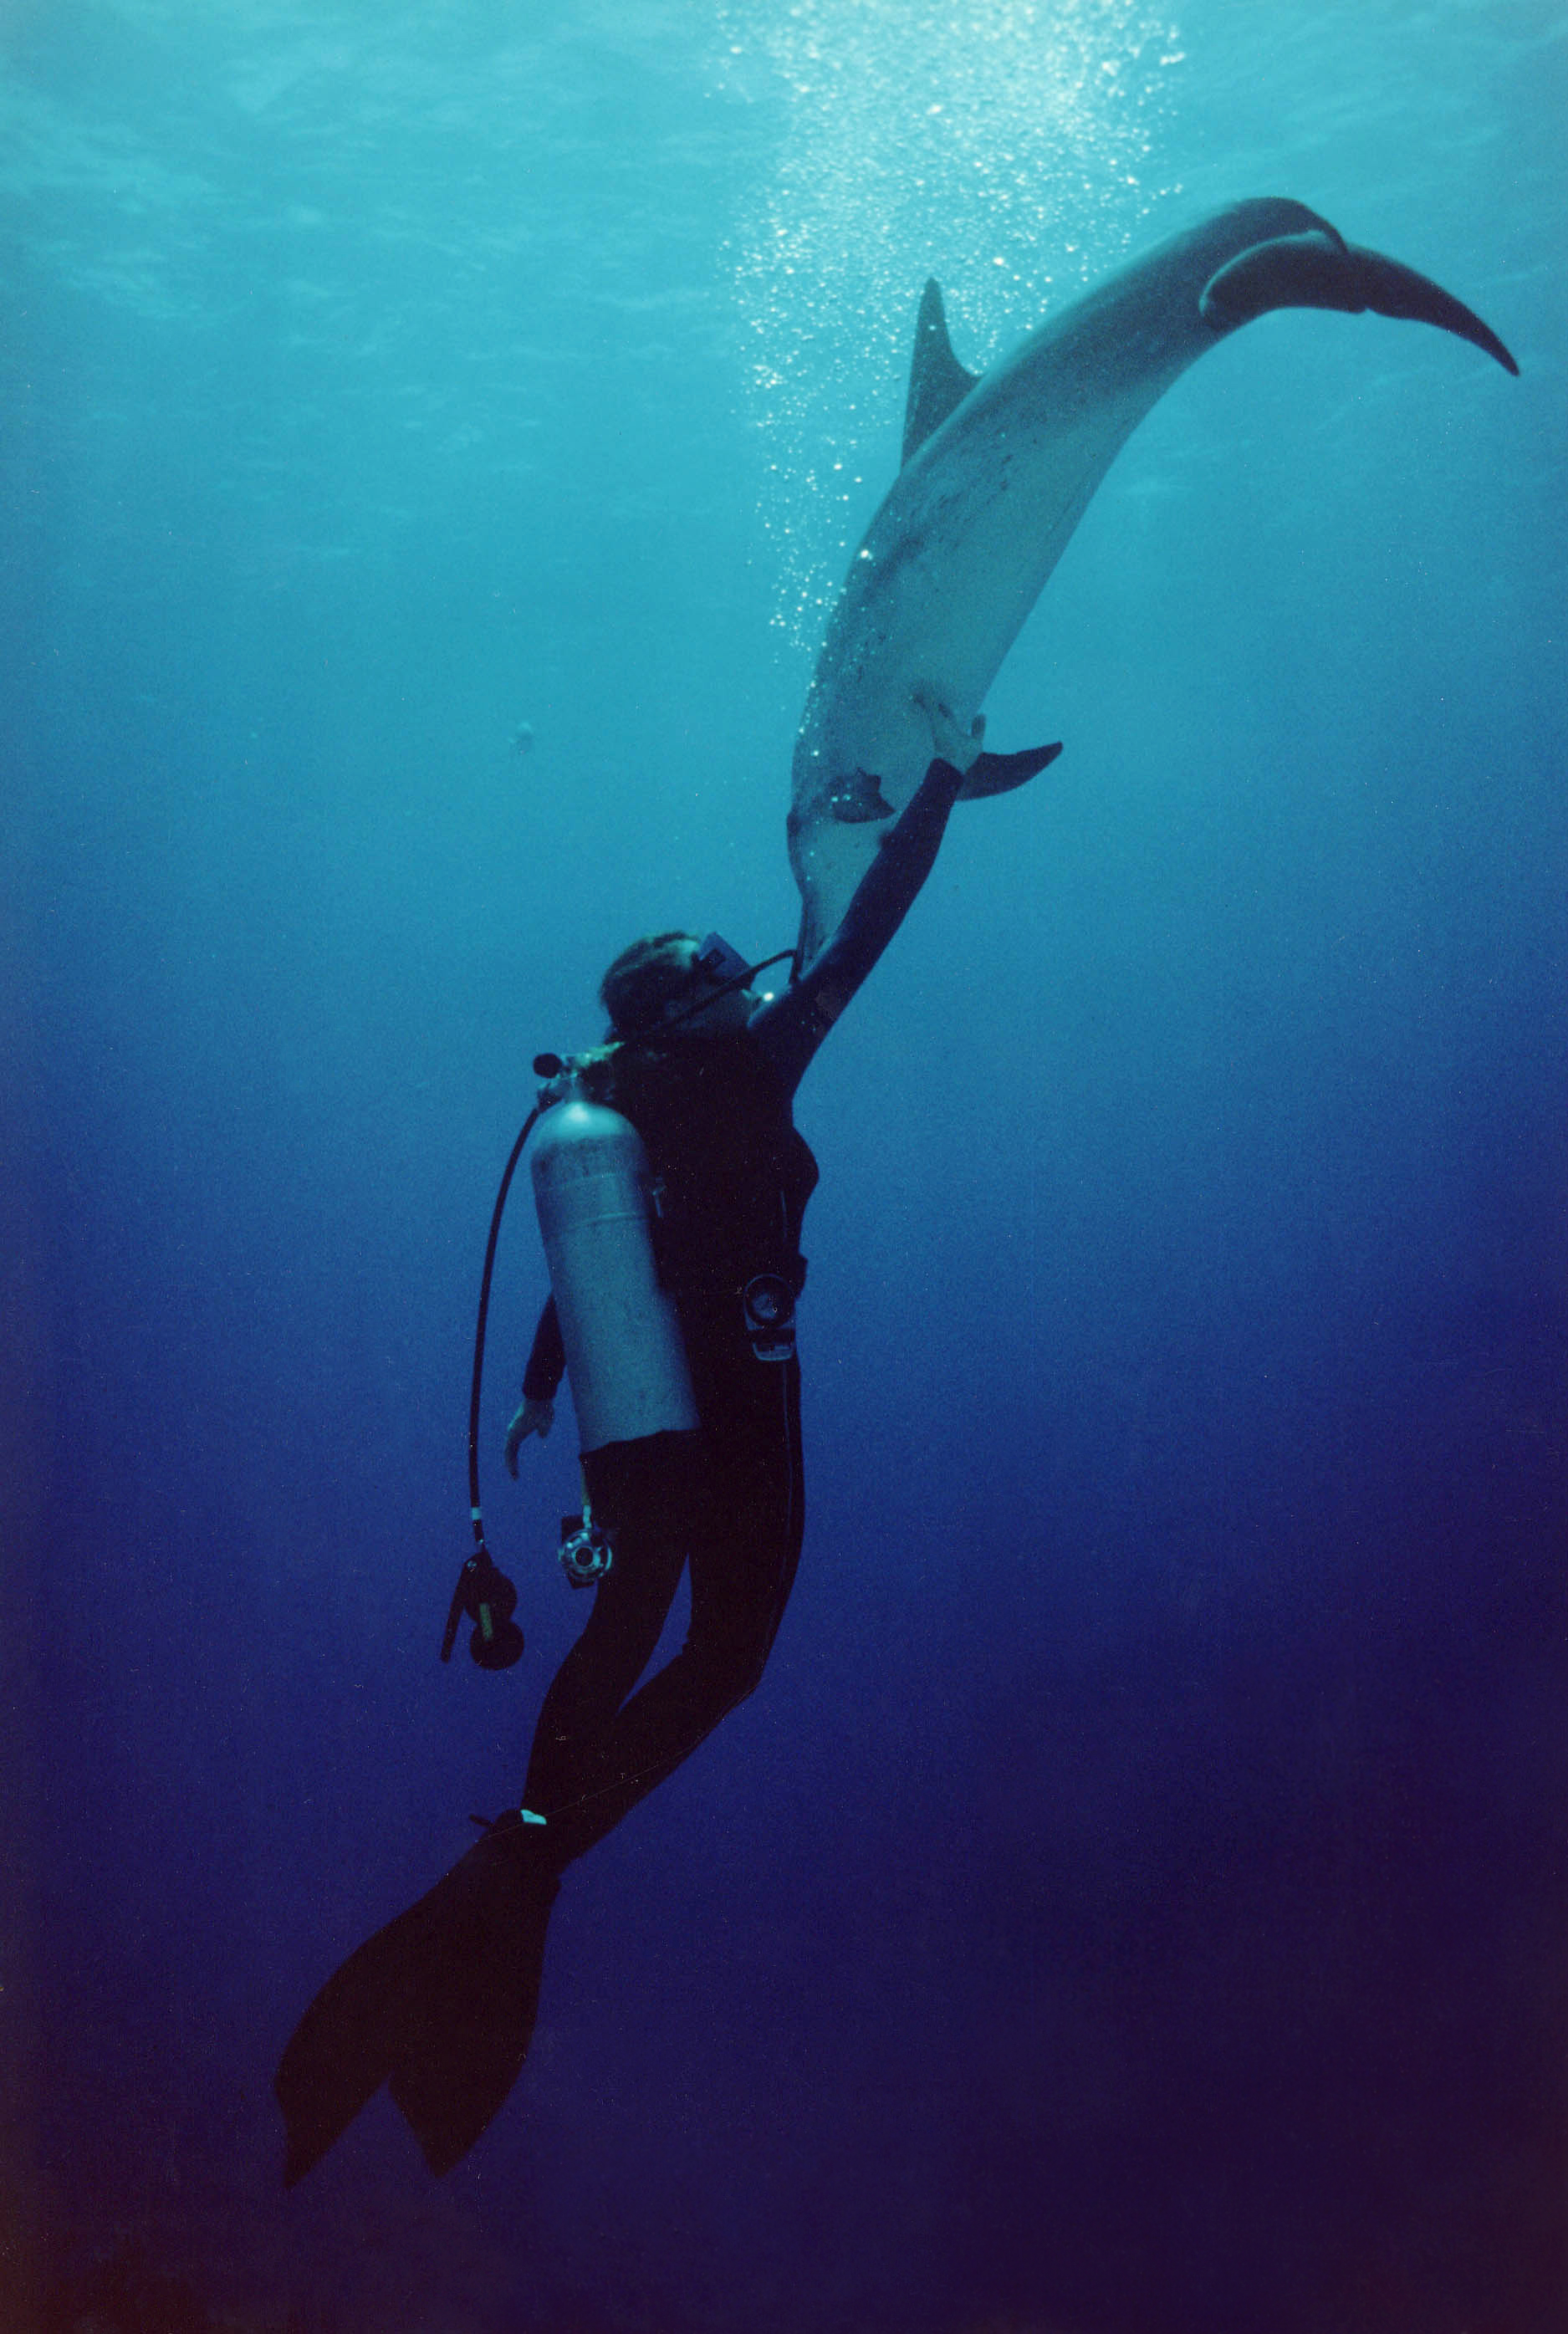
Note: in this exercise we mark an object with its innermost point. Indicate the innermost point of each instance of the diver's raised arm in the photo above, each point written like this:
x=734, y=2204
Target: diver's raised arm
x=790, y=1028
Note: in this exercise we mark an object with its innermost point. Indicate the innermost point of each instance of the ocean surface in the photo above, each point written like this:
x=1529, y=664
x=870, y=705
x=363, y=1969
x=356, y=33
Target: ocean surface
x=430, y=439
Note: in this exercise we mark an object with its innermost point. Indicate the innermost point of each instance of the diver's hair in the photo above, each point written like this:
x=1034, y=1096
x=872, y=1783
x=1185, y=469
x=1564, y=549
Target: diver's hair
x=644, y=979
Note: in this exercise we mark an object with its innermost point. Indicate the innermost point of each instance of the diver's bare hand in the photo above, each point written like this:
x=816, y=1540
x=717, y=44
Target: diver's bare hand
x=958, y=748
x=533, y=1418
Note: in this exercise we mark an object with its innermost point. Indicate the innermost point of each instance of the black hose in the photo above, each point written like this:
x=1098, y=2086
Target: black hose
x=528, y=1125
x=484, y=1595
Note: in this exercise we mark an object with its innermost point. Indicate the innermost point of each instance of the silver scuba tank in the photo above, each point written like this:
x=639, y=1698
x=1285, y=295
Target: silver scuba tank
x=624, y=1353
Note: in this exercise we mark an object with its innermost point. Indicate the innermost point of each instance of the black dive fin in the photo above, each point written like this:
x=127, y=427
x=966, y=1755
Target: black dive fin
x=1317, y=270
x=998, y=773
x=938, y=381
x=349, y=2040
x=475, y=2023
x=440, y=2003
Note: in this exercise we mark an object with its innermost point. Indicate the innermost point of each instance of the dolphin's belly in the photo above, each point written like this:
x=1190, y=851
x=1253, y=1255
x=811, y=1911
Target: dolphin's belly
x=939, y=590
x=943, y=595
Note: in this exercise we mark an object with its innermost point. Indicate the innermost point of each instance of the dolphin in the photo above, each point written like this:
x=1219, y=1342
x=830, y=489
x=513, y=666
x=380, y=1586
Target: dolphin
x=997, y=474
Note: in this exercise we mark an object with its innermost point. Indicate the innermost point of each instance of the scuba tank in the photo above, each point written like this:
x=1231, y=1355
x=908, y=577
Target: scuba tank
x=625, y=1357
x=594, y=1193
x=624, y=1353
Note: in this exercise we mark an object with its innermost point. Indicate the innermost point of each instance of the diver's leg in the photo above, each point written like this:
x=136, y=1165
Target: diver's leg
x=747, y=1515
x=478, y=1988
x=734, y=1499
x=442, y=1999
x=479, y=2008
x=754, y=1524
x=640, y=1493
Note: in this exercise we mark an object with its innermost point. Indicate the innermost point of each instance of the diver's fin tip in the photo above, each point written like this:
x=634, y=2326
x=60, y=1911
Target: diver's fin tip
x=299, y=2157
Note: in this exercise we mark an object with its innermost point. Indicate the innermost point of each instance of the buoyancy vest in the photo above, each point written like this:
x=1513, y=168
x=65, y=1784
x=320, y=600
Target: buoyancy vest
x=732, y=1172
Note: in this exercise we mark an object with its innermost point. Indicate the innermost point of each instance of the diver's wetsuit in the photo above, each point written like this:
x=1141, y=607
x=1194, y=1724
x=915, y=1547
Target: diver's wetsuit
x=714, y=1114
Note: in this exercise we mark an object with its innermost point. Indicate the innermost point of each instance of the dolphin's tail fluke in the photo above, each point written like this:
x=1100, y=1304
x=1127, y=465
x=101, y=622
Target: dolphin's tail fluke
x=1317, y=270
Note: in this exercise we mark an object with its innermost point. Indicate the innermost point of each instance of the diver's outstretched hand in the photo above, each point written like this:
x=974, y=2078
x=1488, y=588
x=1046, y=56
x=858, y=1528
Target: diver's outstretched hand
x=984, y=774
x=960, y=749
x=533, y=1418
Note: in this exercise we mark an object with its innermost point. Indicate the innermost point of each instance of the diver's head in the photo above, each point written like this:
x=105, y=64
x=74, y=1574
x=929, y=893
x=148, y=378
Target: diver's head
x=673, y=979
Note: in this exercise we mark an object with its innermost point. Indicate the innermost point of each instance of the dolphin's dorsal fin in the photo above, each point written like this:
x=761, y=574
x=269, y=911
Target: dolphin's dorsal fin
x=938, y=381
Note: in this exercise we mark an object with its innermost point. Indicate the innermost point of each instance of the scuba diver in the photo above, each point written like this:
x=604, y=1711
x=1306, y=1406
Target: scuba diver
x=440, y=2003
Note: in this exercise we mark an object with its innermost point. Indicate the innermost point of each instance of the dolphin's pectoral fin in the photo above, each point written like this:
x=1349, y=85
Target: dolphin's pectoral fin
x=938, y=381
x=998, y=773
x=857, y=800
x=1317, y=270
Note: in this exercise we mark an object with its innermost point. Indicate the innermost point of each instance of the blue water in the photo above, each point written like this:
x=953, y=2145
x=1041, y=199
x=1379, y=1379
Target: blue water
x=1134, y=1901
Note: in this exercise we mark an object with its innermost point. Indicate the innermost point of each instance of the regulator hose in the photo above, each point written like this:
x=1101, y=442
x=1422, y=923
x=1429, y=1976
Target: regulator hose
x=482, y=1592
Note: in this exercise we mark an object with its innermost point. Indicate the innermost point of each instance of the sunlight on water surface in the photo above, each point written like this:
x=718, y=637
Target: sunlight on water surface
x=1011, y=150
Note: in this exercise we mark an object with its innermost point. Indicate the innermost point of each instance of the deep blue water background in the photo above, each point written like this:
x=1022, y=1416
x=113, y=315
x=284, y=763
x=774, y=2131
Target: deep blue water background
x=1134, y=1903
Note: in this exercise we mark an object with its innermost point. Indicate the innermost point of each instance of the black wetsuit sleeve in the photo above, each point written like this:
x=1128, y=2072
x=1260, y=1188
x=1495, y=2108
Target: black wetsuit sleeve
x=790, y=1029
x=546, y=1357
